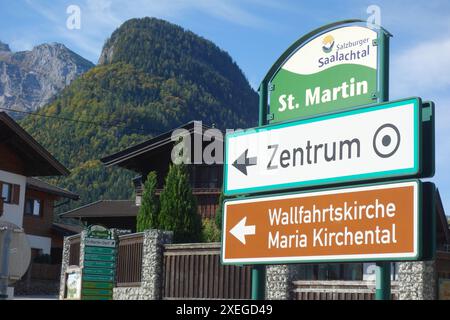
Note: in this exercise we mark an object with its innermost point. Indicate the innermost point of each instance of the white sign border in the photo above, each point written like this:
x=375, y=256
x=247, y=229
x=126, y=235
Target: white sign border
x=410, y=256
x=404, y=172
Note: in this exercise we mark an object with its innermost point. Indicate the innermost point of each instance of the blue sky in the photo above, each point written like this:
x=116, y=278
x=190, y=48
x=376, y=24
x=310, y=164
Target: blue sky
x=256, y=32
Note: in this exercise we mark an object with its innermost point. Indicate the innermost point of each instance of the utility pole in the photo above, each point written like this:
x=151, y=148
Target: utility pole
x=5, y=241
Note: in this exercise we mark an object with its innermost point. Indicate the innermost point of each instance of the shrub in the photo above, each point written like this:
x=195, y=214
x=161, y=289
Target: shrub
x=210, y=231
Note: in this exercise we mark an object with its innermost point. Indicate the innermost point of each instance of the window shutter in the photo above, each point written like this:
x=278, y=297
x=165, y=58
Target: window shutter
x=1, y=205
x=15, y=194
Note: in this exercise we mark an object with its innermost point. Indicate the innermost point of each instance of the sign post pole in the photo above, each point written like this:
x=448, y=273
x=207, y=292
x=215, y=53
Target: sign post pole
x=259, y=271
x=258, y=282
x=383, y=269
x=383, y=281
x=4, y=274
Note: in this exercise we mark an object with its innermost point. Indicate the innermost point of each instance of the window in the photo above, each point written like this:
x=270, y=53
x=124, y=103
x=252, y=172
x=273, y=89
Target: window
x=33, y=207
x=10, y=192
x=6, y=192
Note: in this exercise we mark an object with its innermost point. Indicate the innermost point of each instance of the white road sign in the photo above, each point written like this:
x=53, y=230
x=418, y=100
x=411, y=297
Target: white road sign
x=364, y=144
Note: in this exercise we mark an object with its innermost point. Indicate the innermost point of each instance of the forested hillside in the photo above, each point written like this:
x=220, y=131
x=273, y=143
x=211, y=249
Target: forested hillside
x=152, y=76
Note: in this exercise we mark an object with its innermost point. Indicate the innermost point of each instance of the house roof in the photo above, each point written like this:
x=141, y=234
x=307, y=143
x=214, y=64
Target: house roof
x=66, y=229
x=160, y=147
x=38, y=161
x=39, y=185
x=104, y=208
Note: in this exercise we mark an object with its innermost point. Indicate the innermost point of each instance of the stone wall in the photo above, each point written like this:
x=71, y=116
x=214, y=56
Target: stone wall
x=279, y=281
x=128, y=293
x=152, y=268
x=417, y=280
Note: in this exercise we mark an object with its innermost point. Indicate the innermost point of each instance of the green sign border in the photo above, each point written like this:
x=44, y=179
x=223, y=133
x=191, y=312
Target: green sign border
x=419, y=244
x=407, y=172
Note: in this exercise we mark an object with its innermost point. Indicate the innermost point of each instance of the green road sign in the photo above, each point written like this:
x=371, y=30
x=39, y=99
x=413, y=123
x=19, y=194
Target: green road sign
x=330, y=69
x=97, y=285
x=89, y=249
x=97, y=231
x=96, y=242
x=99, y=257
x=100, y=271
x=99, y=264
x=97, y=297
x=97, y=292
x=100, y=278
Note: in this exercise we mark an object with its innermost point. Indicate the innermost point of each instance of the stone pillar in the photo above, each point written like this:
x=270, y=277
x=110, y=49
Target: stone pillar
x=152, y=263
x=152, y=268
x=82, y=245
x=417, y=280
x=64, y=265
x=279, y=281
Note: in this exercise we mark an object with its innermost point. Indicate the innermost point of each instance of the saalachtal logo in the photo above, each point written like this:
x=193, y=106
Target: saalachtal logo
x=327, y=43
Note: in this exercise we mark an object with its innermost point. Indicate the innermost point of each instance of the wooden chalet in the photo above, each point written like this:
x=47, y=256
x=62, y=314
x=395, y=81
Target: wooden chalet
x=155, y=155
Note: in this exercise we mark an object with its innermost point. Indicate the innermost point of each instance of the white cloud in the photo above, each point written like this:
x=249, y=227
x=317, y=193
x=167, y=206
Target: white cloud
x=99, y=18
x=21, y=45
x=422, y=68
x=90, y=45
x=45, y=11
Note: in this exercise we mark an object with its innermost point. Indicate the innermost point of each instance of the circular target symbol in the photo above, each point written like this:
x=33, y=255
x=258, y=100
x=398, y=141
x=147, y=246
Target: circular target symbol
x=386, y=140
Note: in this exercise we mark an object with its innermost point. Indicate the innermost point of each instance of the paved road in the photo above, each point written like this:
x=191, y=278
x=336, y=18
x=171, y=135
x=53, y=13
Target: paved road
x=36, y=298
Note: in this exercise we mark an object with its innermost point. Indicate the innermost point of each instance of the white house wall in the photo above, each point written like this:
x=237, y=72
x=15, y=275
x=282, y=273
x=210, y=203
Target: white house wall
x=14, y=213
x=42, y=243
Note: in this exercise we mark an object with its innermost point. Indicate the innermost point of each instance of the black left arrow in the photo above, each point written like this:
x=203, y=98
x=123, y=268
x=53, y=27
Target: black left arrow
x=244, y=161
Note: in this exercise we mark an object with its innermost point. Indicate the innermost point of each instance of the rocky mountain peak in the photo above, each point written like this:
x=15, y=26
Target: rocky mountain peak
x=30, y=79
x=4, y=47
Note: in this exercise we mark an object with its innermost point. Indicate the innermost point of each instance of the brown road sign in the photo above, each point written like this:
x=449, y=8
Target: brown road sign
x=366, y=223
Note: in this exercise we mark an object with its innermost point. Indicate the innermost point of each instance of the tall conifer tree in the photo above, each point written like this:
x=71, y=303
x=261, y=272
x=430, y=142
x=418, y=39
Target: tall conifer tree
x=179, y=206
x=148, y=216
